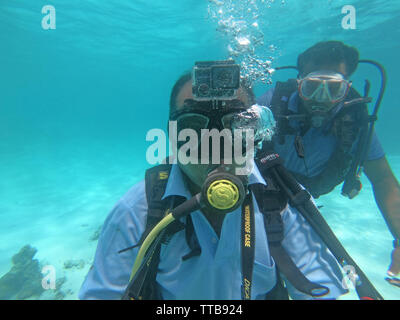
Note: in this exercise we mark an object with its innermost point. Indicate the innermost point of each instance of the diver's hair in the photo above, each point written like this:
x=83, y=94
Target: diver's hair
x=329, y=53
x=187, y=76
x=183, y=79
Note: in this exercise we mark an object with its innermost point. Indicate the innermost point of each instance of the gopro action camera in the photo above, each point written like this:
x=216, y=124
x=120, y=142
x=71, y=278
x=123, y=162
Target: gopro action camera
x=215, y=80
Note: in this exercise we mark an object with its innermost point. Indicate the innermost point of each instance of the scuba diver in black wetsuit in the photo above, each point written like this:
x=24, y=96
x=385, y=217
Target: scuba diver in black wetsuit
x=326, y=137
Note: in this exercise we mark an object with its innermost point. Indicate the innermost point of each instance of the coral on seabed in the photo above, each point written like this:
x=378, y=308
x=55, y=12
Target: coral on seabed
x=74, y=263
x=24, y=280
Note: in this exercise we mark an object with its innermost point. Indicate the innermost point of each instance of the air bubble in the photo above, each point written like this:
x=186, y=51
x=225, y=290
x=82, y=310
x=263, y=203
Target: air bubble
x=239, y=21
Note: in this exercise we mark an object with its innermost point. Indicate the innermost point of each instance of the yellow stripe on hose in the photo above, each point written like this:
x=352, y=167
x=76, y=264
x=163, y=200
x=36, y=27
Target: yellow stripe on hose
x=149, y=240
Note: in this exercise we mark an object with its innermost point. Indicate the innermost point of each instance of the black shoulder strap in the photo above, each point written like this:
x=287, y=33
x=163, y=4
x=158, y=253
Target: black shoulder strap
x=279, y=107
x=272, y=201
x=279, y=292
x=156, y=180
x=301, y=200
x=143, y=286
x=350, y=120
x=355, y=126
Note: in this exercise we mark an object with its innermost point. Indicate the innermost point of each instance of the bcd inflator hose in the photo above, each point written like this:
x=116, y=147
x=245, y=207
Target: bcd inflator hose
x=185, y=208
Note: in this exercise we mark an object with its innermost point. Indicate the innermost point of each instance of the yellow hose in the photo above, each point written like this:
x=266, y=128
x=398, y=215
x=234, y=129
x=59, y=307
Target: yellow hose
x=149, y=240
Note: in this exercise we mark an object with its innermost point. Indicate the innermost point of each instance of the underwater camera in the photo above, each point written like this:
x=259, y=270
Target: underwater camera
x=215, y=80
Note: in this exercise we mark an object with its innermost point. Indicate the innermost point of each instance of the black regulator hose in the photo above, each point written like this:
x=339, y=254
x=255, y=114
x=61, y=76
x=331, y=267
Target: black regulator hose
x=374, y=115
x=352, y=185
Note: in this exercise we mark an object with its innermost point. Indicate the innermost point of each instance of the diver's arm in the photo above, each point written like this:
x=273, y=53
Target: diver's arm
x=109, y=275
x=386, y=191
x=387, y=196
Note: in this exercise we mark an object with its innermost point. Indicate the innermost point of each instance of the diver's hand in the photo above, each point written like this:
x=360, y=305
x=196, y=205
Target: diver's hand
x=394, y=269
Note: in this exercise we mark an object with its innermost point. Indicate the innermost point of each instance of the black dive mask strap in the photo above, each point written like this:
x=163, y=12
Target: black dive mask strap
x=247, y=246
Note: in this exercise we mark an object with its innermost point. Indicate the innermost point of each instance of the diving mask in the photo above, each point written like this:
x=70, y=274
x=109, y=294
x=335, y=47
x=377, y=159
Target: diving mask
x=232, y=115
x=324, y=87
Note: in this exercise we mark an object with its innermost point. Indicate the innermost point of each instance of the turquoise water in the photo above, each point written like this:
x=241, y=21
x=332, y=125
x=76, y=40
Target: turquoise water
x=76, y=104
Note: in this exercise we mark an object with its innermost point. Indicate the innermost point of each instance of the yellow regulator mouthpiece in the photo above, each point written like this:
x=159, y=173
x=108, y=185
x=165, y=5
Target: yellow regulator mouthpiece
x=223, y=194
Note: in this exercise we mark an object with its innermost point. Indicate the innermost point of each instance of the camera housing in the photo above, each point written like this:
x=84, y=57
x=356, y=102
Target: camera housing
x=215, y=80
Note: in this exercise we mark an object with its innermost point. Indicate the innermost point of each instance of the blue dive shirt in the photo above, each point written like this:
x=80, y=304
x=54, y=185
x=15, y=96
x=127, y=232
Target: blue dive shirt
x=216, y=273
x=318, y=145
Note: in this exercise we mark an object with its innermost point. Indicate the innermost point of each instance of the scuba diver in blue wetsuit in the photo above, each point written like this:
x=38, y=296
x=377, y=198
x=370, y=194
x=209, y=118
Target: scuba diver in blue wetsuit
x=325, y=135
